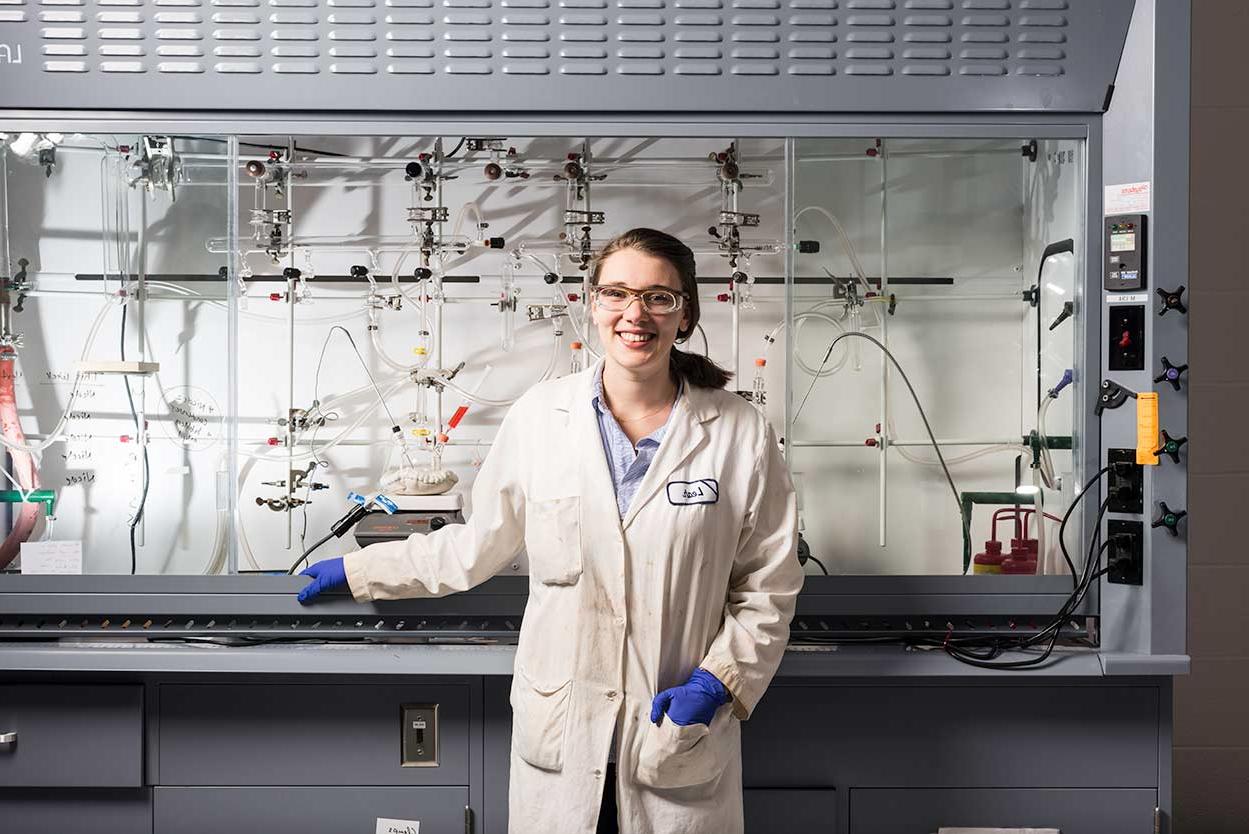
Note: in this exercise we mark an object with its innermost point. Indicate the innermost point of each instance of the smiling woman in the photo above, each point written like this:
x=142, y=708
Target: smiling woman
x=661, y=529
x=658, y=271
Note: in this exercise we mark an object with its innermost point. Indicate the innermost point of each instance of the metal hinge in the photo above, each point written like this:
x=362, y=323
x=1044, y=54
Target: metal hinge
x=1157, y=820
x=468, y=820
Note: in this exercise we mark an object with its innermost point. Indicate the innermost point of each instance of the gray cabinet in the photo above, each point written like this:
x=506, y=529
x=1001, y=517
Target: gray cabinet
x=1072, y=811
x=783, y=811
x=305, y=734
x=71, y=736
x=341, y=810
x=82, y=811
x=933, y=735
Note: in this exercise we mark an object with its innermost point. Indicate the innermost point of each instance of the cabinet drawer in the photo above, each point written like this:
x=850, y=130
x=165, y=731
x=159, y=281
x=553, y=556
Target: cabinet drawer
x=305, y=734
x=783, y=810
x=919, y=811
x=306, y=810
x=87, y=811
x=72, y=736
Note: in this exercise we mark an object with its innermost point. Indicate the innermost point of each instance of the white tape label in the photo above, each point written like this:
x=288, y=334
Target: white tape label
x=1128, y=198
x=57, y=556
x=1127, y=298
x=398, y=826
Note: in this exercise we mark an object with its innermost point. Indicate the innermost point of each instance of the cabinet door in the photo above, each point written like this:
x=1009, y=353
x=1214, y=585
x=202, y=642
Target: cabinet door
x=925, y=811
x=307, y=810
x=72, y=736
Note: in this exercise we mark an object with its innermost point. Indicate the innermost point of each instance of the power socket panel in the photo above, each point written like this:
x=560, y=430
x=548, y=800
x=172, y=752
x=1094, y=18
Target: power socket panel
x=1125, y=557
x=420, y=735
x=1125, y=484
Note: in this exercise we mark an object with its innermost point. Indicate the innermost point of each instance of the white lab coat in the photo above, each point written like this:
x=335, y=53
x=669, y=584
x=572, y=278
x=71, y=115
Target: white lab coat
x=702, y=571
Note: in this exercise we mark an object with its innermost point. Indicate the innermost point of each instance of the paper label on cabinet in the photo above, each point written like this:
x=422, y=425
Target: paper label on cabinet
x=61, y=556
x=385, y=826
x=1128, y=198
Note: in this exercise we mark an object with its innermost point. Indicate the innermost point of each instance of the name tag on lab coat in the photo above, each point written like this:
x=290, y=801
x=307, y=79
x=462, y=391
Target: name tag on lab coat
x=705, y=491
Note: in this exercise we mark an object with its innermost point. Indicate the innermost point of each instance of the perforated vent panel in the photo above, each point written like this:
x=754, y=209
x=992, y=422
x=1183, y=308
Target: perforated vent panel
x=561, y=55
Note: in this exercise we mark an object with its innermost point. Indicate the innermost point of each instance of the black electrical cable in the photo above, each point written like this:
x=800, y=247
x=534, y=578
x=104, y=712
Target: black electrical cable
x=958, y=501
x=987, y=660
x=818, y=562
x=1062, y=527
x=455, y=149
x=139, y=438
x=310, y=550
x=337, y=529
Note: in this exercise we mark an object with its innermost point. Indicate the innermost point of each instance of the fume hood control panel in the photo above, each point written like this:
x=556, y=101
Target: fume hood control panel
x=1124, y=246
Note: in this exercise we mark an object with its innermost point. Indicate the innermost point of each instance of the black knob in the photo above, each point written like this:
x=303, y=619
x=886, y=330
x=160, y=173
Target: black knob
x=1170, y=446
x=572, y=170
x=493, y=171
x=729, y=171
x=551, y=278
x=495, y=242
x=740, y=277
x=359, y=271
x=808, y=247
x=255, y=168
x=1172, y=300
x=1169, y=518
x=1171, y=373
x=291, y=273
x=1112, y=395
x=422, y=273
x=437, y=523
x=414, y=170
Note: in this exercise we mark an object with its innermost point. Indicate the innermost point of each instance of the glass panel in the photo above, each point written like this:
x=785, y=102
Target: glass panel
x=114, y=389
x=933, y=248
x=398, y=296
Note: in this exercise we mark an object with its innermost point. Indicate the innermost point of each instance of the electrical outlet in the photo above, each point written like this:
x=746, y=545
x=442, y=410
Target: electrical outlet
x=420, y=735
x=1125, y=557
x=1125, y=484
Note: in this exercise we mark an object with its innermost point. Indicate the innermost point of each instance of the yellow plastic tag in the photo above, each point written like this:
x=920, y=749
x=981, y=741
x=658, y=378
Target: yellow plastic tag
x=1147, y=428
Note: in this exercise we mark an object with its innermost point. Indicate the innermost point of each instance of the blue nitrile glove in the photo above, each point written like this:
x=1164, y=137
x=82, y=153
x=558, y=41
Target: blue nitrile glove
x=693, y=702
x=326, y=576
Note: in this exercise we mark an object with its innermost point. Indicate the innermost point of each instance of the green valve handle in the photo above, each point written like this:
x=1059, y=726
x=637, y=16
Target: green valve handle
x=1171, y=446
x=1169, y=518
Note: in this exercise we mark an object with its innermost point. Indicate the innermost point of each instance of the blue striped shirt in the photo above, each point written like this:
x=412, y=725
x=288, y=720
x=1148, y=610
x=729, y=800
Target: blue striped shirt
x=628, y=465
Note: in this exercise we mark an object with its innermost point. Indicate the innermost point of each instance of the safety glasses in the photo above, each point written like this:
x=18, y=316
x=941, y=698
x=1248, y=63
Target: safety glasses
x=616, y=298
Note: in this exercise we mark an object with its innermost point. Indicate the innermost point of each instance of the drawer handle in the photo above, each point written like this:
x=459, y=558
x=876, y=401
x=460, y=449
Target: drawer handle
x=8, y=738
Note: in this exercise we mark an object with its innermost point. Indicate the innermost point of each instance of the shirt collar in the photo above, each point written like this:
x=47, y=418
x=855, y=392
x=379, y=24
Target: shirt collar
x=600, y=406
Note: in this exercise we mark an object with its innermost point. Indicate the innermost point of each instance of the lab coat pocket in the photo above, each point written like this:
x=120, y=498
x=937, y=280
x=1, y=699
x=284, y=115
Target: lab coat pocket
x=539, y=718
x=553, y=540
x=673, y=756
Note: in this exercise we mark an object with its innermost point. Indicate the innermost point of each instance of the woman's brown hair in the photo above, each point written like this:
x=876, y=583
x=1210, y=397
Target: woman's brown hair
x=694, y=369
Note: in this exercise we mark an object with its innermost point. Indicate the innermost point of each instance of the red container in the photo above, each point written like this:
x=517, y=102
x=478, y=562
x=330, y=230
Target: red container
x=990, y=561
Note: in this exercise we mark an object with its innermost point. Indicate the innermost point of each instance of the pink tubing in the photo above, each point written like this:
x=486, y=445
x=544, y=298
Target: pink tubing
x=24, y=470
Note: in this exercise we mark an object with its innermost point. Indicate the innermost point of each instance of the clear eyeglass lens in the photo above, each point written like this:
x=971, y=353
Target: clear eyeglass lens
x=655, y=301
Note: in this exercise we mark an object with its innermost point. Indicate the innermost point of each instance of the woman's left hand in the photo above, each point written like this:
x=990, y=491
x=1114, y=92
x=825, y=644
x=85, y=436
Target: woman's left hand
x=693, y=702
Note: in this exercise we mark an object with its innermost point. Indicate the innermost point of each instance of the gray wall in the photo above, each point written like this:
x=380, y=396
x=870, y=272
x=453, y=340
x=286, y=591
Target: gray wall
x=1211, y=727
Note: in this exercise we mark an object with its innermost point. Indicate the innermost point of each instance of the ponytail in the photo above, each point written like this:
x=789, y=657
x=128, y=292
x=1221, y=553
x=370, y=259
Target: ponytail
x=697, y=370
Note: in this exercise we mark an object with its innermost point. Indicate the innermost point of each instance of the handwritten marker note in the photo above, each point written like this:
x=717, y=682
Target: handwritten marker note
x=398, y=826
x=63, y=556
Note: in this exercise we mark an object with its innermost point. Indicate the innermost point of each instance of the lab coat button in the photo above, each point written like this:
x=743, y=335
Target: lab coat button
x=611, y=693
x=598, y=772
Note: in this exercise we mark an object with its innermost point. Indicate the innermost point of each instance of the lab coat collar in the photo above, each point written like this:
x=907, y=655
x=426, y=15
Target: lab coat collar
x=686, y=433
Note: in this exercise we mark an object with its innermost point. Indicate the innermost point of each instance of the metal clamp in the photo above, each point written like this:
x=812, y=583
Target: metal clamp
x=8, y=738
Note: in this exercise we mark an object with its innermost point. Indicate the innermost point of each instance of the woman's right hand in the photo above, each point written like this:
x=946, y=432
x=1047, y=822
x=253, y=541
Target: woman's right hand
x=326, y=576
